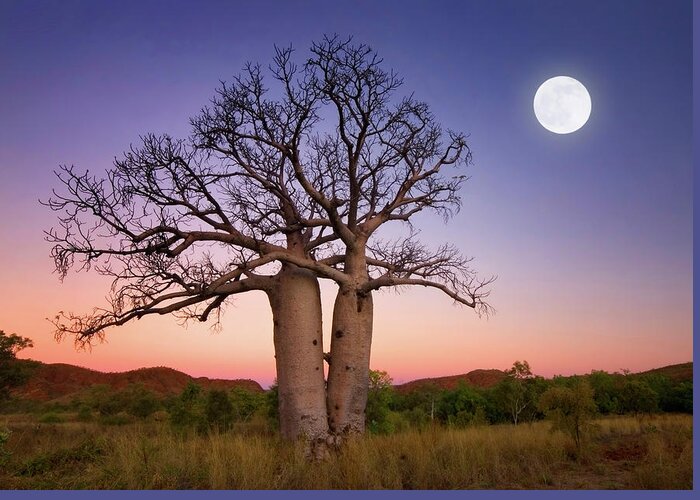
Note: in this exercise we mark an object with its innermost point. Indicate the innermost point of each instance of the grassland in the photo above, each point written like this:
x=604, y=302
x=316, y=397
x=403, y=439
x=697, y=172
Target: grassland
x=619, y=453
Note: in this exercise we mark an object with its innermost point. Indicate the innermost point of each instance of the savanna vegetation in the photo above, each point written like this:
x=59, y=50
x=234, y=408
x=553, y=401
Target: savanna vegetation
x=620, y=452
x=600, y=430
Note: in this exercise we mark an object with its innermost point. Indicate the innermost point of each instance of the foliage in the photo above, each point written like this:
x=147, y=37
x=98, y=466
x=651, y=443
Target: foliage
x=418, y=406
x=272, y=401
x=4, y=438
x=218, y=410
x=606, y=389
x=513, y=392
x=520, y=371
x=462, y=406
x=379, y=398
x=571, y=408
x=51, y=418
x=141, y=402
x=638, y=397
x=121, y=418
x=188, y=409
x=12, y=371
x=84, y=413
x=62, y=458
x=245, y=404
x=388, y=411
x=679, y=398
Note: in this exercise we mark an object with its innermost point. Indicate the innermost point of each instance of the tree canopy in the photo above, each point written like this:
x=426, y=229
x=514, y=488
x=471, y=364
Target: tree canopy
x=12, y=373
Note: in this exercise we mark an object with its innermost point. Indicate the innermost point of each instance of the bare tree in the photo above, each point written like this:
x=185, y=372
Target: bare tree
x=386, y=160
x=265, y=196
x=181, y=230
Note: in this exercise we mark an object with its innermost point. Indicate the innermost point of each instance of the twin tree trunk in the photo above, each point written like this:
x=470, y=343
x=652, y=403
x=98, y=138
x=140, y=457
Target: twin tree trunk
x=309, y=408
x=348, y=374
x=298, y=339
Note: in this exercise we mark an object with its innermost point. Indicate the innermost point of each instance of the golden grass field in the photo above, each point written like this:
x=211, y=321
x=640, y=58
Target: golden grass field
x=619, y=453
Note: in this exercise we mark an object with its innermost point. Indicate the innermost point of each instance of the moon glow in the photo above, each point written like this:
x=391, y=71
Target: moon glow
x=562, y=105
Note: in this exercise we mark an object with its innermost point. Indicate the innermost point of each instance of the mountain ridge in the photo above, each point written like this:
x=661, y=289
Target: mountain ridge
x=57, y=381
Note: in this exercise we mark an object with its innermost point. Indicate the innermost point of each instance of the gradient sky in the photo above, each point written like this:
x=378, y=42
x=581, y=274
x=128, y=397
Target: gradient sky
x=590, y=233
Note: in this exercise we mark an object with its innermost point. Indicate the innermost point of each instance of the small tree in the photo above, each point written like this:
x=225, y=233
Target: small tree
x=12, y=372
x=638, y=397
x=378, y=400
x=218, y=410
x=462, y=406
x=607, y=389
x=245, y=404
x=141, y=402
x=570, y=408
x=186, y=410
x=513, y=390
x=105, y=400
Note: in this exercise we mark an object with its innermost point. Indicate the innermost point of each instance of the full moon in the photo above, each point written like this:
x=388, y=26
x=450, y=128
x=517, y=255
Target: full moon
x=562, y=105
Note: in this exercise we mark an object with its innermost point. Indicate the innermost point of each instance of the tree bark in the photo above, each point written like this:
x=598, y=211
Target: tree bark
x=295, y=300
x=351, y=342
x=348, y=373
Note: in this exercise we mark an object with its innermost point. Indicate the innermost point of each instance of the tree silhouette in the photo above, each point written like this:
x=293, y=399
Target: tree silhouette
x=273, y=190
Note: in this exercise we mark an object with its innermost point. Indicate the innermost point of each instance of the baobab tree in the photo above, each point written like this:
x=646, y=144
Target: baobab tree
x=387, y=160
x=265, y=196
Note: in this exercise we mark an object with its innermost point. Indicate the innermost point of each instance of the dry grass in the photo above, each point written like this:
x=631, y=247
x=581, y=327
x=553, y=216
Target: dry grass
x=621, y=453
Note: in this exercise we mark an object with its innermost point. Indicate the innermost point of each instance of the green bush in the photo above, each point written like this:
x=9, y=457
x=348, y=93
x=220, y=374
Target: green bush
x=459, y=406
x=218, y=410
x=51, y=418
x=187, y=410
x=84, y=414
x=571, y=408
x=121, y=418
x=4, y=438
x=141, y=402
x=245, y=404
x=638, y=397
x=63, y=458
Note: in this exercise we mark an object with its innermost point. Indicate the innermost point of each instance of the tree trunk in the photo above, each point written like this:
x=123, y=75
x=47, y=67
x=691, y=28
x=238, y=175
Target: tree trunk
x=348, y=373
x=298, y=337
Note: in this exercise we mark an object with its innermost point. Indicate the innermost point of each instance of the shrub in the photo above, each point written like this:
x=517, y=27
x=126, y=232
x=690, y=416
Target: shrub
x=141, y=401
x=187, y=410
x=245, y=404
x=51, y=418
x=379, y=399
x=218, y=410
x=121, y=418
x=571, y=408
x=84, y=413
x=638, y=397
x=4, y=438
x=459, y=406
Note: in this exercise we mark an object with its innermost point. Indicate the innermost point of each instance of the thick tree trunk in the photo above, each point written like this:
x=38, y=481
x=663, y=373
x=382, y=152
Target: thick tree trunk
x=351, y=342
x=298, y=337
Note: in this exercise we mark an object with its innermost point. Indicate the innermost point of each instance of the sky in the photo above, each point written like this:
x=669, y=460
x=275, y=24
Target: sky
x=589, y=233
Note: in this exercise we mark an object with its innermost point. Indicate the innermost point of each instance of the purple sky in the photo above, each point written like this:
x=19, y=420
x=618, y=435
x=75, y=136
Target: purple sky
x=589, y=233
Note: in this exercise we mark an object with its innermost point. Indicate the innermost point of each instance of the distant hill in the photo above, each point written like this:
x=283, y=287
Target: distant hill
x=679, y=373
x=488, y=378
x=475, y=378
x=59, y=381
x=56, y=381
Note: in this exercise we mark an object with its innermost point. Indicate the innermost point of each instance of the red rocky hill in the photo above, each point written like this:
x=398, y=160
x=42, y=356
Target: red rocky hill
x=475, y=378
x=57, y=380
